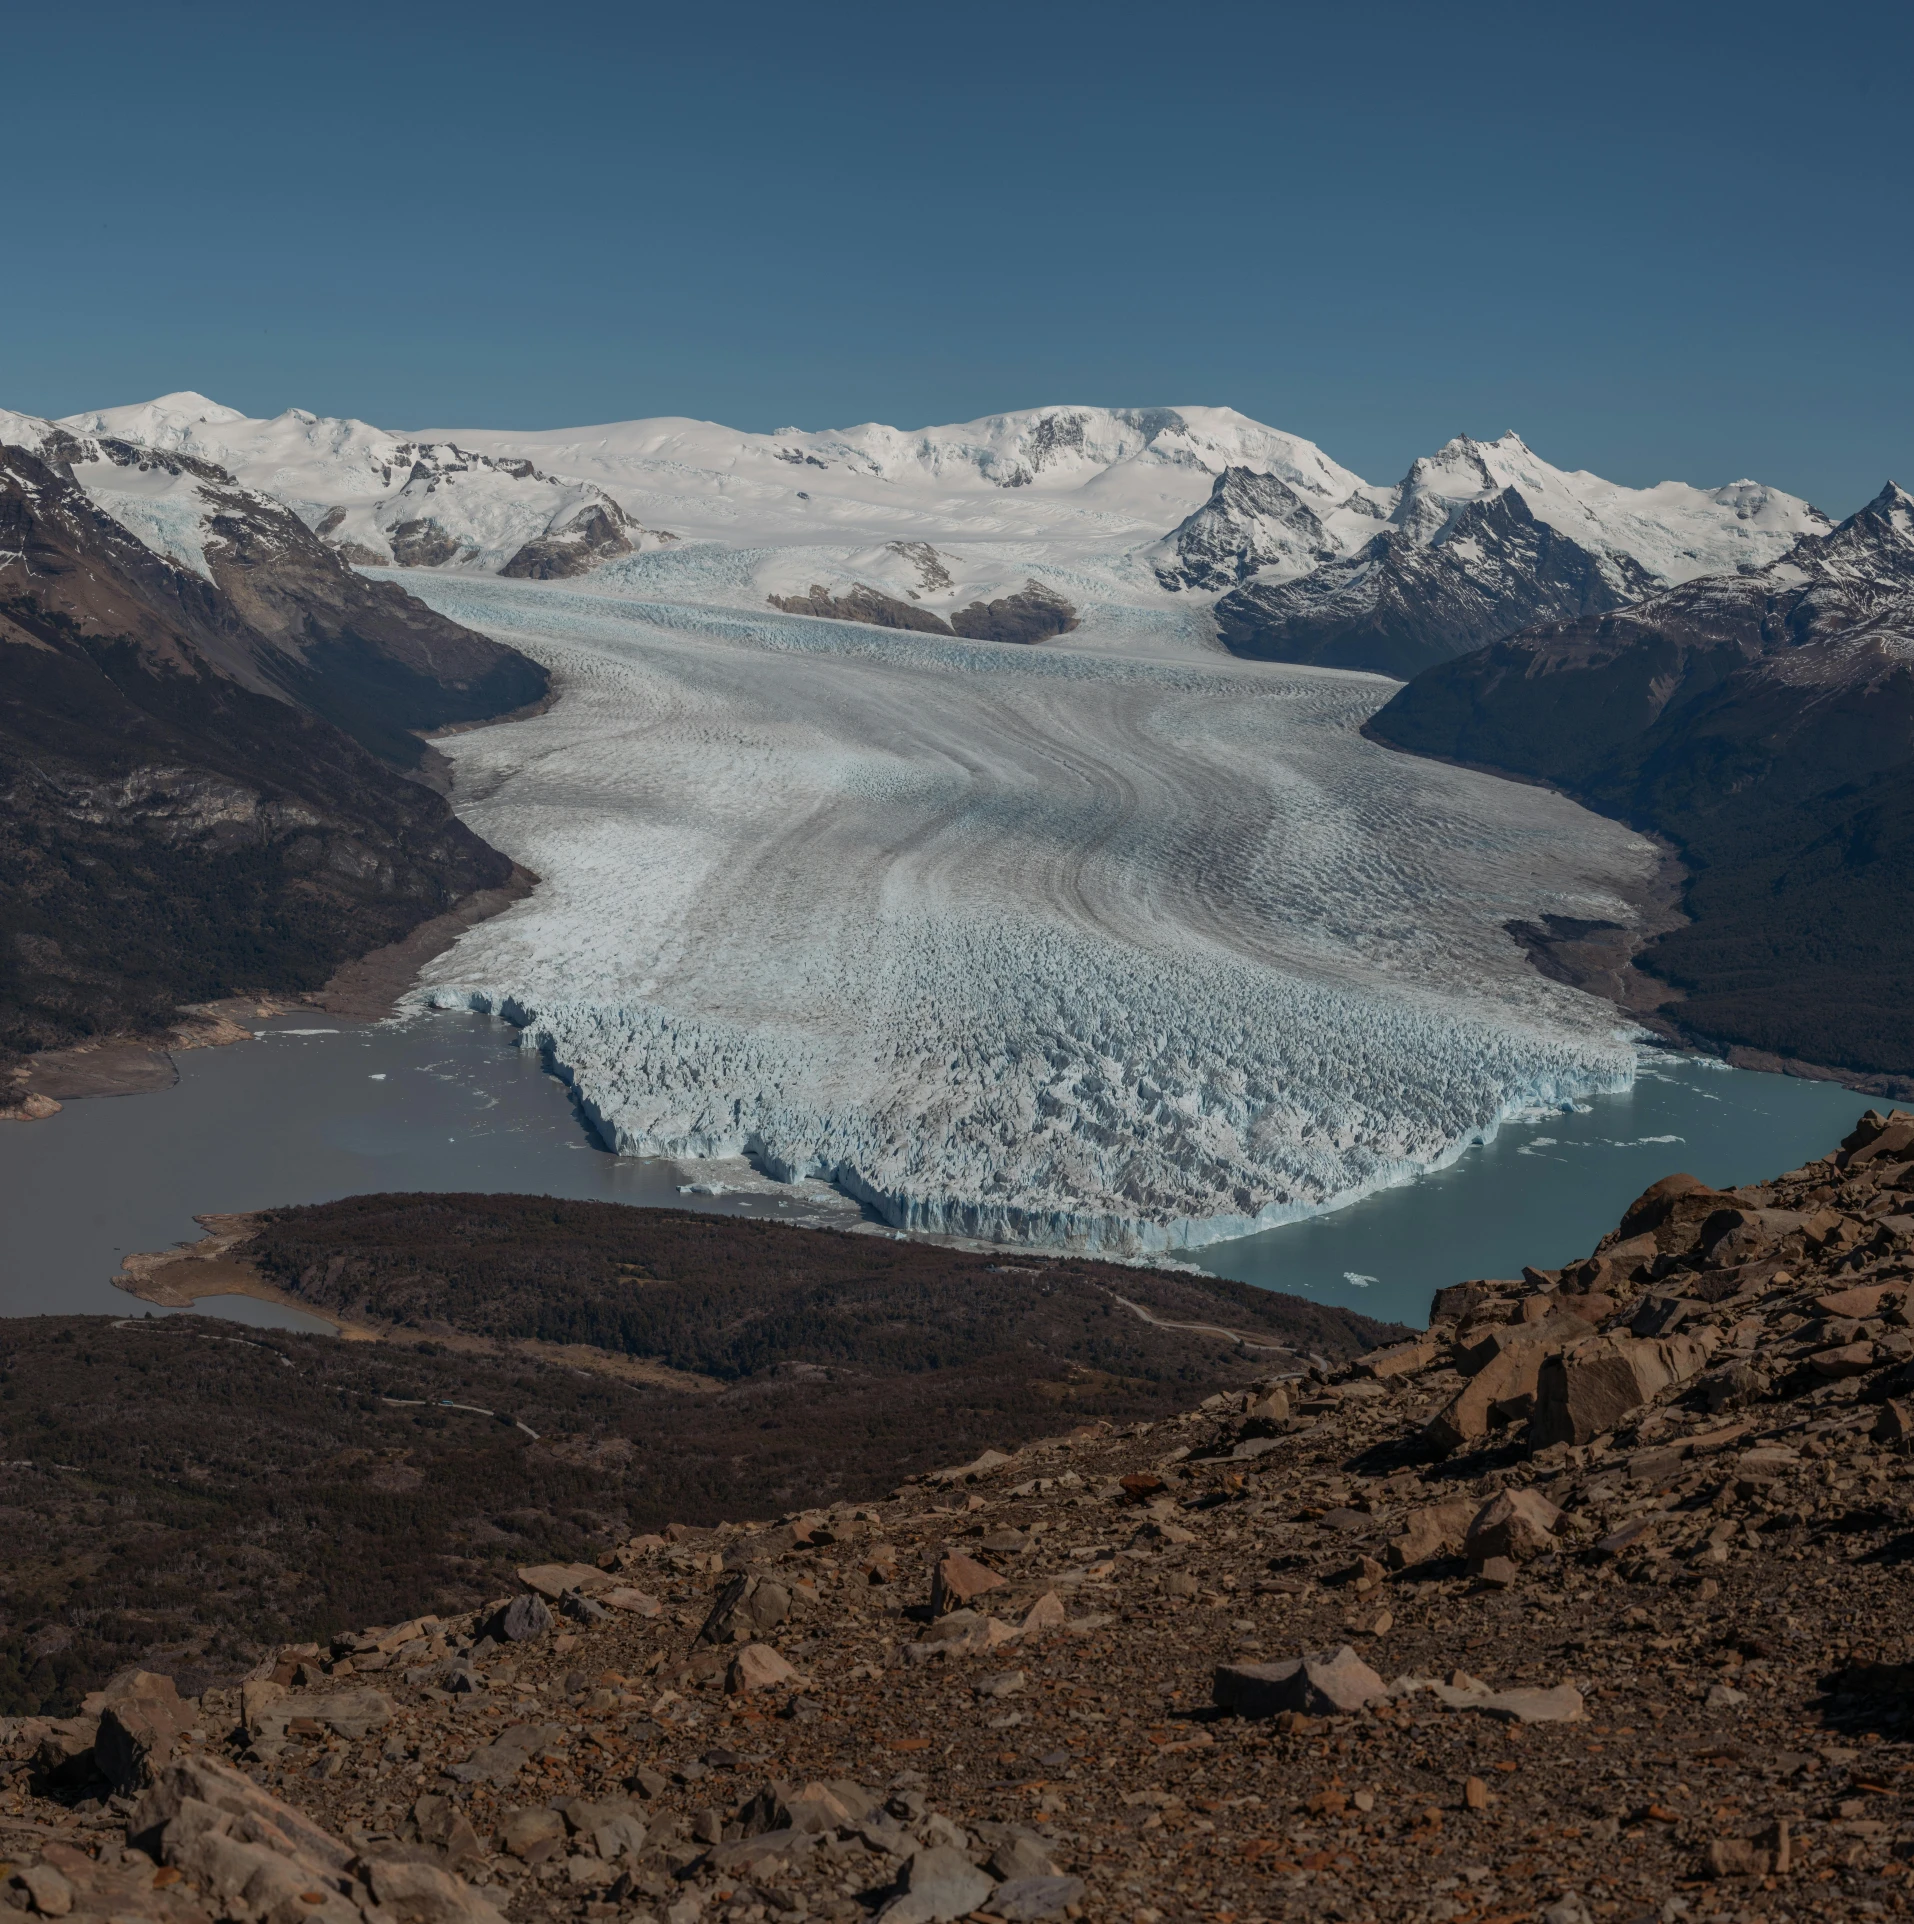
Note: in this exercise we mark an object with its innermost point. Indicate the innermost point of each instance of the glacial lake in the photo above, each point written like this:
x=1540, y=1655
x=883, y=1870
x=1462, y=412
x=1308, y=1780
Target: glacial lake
x=313, y=1110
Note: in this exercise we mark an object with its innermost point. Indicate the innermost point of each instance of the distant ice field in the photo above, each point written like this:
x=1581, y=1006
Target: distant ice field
x=1114, y=943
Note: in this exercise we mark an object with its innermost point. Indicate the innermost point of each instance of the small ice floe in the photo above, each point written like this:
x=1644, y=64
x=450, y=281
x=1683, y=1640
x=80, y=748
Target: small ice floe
x=1358, y=1279
x=704, y=1188
x=380, y=1077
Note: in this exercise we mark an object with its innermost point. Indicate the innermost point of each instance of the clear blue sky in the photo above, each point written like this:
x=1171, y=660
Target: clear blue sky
x=1657, y=240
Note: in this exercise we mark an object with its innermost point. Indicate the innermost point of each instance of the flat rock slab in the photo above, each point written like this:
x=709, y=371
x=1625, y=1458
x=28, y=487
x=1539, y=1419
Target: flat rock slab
x=1025, y=1899
x=939, y=1884
x=1320, y=1686
x=500, y=1761
x=554, y=1579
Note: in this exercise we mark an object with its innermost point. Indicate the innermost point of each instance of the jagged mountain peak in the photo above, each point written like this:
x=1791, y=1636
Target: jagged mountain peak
x=1894, y=506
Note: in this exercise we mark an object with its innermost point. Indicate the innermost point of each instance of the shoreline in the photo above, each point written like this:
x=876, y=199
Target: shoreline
x=367, y=989
x=215, y=1265
x=177, y=1278
x=1604, y=966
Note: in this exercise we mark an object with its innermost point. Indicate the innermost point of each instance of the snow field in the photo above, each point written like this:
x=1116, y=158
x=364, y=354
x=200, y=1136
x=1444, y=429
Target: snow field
x=1122, y=946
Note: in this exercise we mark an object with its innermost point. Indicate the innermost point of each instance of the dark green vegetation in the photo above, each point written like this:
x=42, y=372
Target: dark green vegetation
x=729, y=1298
x=169, y=1489
x=1765, y=724
x=199, y=786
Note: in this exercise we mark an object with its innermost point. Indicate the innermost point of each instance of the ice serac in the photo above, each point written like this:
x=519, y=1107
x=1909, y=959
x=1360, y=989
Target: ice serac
x=1116, y=950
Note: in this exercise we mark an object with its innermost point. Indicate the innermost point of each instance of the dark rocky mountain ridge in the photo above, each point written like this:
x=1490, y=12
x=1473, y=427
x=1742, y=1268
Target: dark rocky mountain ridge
x=202, y=779
x=1764, y=722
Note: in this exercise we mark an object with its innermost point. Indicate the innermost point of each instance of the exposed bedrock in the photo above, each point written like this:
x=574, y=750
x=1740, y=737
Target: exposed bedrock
x=1034, y=613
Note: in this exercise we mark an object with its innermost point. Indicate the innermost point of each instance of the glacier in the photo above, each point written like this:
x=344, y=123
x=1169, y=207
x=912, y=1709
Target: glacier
x=1117, y=943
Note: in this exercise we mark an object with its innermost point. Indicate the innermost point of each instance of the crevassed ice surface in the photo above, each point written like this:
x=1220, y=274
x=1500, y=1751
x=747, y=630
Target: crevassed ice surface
x=1114, y=942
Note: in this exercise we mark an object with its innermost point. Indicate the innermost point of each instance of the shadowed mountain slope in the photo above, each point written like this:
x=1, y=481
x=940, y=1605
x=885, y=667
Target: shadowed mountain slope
x=1765, y=722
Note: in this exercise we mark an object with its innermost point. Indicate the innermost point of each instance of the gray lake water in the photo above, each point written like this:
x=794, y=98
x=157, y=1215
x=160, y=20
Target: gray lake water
x=313, y=1110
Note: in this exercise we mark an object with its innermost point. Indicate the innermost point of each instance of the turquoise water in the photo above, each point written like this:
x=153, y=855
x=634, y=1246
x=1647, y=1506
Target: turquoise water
x=1545, y=1191
x=314, y=1110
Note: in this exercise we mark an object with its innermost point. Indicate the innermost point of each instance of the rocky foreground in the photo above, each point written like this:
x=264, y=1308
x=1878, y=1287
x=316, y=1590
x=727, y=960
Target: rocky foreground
x=1586, y=1605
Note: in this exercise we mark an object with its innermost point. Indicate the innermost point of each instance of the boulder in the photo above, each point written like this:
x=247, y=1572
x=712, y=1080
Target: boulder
x=1399, y=1359
x=1502, y=1388
x=1319, y=1686
x=1022, y=1854
x=1437, y=1529
x=1731, y=1237
x=1022, y=1900
x=500, y=1761
x=982, y=1466
x=48, y=1888
x=1862, y=1301
x=964, y=1633
x=1047, y=1613
x=958, y=1581
x=1587, y=1390
x=747, y=1608
x=521, y=1620
x=347, y=1713
x=1612, y=1267
x=255, y=1857
x=1516, y=1524
x=554, y=1580
x=1672, y=1201
x=1878, y=1138
x=418, y=1893
x=1845, y=1359
x=940, y=1883
x=757, y=1667
x=1267, y=1414
x=532, y=1835
x=1895, y=1424
x=141, y=1721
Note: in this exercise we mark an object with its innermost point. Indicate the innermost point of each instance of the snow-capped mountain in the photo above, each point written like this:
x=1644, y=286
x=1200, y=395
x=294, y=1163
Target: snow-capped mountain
x=259, y=597
x=1401, y=604
x=1114, y=476
x=1482, y=539
x=1671, y=532
x=386, y=500
x=924, y=529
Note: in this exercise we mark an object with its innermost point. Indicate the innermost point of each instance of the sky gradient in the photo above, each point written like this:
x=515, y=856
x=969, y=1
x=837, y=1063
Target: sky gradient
x=1656, y=241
